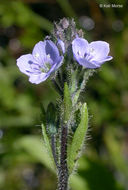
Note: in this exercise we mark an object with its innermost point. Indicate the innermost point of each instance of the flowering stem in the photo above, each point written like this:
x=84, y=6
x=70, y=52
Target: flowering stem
x=63, y=170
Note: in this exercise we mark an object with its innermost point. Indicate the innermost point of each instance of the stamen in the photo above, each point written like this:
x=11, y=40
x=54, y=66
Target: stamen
x=91, y=50
x=79, y=53
x=43, y=70
x=37, y=55
x=46, y=67
x=48, y=56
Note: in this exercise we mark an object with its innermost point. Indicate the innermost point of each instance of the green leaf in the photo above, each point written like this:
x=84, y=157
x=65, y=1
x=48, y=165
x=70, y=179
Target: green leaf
x=48, y=147
x=73, y=81
x=67, y=103
x=76, y=96
x=78, y=139
x=43, y=114
x=51, y=117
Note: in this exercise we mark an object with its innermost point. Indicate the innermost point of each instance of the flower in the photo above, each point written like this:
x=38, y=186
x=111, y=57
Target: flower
x=44, y=60
x=90, y=55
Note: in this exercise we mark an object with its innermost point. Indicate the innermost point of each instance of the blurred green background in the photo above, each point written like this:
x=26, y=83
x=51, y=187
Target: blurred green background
x=23, y=162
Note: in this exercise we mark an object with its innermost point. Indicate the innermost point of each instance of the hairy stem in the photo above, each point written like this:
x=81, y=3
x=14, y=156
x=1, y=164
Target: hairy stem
x=63, y=169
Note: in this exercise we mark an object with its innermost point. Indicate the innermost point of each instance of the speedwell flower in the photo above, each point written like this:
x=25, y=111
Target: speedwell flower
x=90, y=55
x=44, y=60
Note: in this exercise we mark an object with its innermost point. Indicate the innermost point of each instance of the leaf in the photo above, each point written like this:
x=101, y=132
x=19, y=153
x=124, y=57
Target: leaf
x=37, y=150
x=48, y=147
x=78, y=139
x=76, y=96
x=73, y=81
x=51, y=117
x=67, y=103
x=43, y=114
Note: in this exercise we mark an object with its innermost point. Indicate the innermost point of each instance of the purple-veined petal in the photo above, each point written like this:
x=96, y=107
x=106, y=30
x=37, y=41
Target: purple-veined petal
x=52, y=50
x=39, y=52
x=79, y=47
x=108, y=58
x=99, y=50
x=56, y=65
x=59, y=63
x=24, y=63
x=87, y=64
x=36, y=79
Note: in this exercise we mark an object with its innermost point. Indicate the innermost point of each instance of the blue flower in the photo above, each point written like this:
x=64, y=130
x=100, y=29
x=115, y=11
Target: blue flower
x=90, y=55
x=44, y=60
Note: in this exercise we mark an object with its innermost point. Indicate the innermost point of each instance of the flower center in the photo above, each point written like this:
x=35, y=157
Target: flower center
x=46, y=66
x=48, y=56
x=80, y=54
x=37, y=55
x=91, y=50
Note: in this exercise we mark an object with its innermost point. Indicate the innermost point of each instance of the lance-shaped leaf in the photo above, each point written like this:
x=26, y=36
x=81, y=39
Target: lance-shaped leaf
x=67, y=103
x=76, y=96
x=78, y=139
x=73, y=81
x=43, y=114
x=48, y=147
x=50, y=118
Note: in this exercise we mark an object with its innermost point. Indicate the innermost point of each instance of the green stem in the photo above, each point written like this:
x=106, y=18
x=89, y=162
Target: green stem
x=63, y=169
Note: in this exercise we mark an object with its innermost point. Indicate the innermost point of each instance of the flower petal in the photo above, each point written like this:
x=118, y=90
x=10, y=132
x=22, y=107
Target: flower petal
x=39, y=52
x=87, y=64
x=36, y=79
x=108, y=58
x=24, y=63
x=100, y=50
x=59, y=63
x=56, y=65
x=79, y=47
x=52, y=50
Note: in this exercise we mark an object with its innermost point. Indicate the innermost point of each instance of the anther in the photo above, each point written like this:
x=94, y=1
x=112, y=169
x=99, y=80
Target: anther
x=91, y=50
x=48, y=56
x=37, y=55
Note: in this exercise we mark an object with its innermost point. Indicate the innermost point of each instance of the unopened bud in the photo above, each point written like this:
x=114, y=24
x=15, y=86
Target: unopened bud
x=65, y=23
